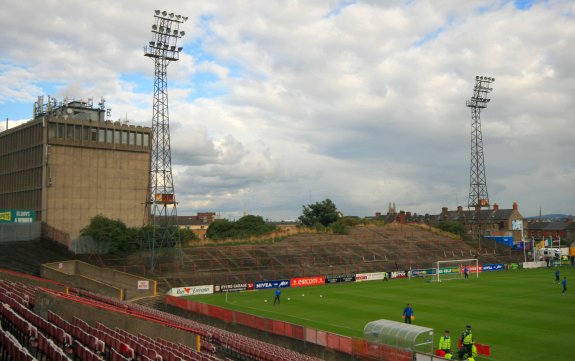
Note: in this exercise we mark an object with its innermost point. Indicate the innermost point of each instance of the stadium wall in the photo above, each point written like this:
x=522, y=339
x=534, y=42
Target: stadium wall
x=11, y=232
x=106, y=281
x=69, y=309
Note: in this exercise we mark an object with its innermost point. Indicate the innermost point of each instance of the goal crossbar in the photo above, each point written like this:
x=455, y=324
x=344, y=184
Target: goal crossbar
x=454, y=269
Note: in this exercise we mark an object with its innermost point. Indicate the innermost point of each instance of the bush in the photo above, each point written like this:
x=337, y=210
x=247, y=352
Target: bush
x=452, y=227
x=244, y=227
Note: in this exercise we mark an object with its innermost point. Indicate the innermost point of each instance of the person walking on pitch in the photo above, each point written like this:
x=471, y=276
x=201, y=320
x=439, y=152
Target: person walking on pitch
x=564, y=283
x=557, y=276
x=408, y=314
x=277, y=298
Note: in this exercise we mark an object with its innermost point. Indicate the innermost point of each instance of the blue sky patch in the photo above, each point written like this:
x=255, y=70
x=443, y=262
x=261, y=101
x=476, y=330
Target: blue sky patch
x=339, y=7
x=524, y=4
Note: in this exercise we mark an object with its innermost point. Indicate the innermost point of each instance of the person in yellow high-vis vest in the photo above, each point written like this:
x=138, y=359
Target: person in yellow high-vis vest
x=467, y=343
x=445, y=342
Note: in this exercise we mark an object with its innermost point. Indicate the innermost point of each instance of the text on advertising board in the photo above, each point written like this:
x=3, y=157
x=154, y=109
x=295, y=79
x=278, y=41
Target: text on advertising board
x=339, y=278
x=373, y=276
x=493, y=267
x=192, y=291
x=235, y=287
x=307, y=281
x=262, y=285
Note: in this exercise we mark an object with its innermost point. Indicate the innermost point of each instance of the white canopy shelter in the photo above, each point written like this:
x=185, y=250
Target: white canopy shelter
x=400, y=335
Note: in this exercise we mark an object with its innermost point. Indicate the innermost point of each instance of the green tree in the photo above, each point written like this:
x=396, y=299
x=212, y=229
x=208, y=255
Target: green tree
x=321, y=213
x=452, y=227
x=187, y=235
x=220, y=228
x=244, y=227
x=112, y=234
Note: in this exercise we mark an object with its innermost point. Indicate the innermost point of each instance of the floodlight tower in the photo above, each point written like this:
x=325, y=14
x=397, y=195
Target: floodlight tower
x=161, y=207
x=478, y=196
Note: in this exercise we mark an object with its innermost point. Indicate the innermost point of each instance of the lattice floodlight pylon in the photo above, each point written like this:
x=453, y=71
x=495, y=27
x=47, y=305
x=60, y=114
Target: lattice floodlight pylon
x=161, y=207
x=478, y=196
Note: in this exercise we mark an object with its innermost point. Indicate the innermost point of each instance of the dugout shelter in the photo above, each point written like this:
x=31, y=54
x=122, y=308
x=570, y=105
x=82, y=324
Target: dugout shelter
x=400, y=335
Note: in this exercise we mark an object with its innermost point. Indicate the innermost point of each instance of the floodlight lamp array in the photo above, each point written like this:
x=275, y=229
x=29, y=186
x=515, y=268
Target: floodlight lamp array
x=485, y=78
x=166, y=32
x=176, y=17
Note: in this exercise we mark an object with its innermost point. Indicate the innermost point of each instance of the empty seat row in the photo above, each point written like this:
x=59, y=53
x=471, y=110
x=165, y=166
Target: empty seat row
x=11, y=349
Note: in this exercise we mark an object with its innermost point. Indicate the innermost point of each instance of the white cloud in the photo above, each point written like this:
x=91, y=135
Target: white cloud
x=277, y=104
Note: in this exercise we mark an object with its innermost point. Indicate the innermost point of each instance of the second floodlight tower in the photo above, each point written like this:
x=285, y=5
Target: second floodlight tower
x=161, y=207
x=478, y=196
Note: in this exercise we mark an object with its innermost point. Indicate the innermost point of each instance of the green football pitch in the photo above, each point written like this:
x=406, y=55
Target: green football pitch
x=521, y=314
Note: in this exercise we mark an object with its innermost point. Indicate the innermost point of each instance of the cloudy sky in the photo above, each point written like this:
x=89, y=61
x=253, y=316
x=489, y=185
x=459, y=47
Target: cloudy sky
x=279, y=103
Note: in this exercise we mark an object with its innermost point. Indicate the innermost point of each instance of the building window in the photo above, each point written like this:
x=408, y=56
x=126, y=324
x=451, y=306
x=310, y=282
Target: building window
x=132, y=138
x=117, y=135
x=86, y=133
x=109, y=136
x=51, y=130
x=124, y=137
x=146, y=140
x=78, y=133
x=61, y=128
x=139, y=139
x=102, y=135
x=70, y=132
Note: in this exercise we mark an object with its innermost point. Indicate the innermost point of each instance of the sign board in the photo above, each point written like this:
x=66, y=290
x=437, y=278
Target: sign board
x=340, y=278
x=263, y=285
x=517, y=225
x=143, y=285
x=17, y=216
x=493, y=267
x=192, y=290
x=373, y=276
x=235, y=287
x=307, y=281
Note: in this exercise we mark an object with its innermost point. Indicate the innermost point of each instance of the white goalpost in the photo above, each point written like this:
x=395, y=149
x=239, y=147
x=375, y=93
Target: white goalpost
x=454, y=269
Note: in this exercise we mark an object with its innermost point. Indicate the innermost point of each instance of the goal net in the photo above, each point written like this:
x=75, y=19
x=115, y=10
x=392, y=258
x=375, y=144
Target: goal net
x=455, y=269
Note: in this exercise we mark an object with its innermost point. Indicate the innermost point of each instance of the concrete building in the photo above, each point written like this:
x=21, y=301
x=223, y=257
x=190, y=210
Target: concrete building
x=199, y=223
x=494, y=222
x=69, y=164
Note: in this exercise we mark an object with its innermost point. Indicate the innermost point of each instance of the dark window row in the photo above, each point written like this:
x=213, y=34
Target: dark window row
x=86, y=134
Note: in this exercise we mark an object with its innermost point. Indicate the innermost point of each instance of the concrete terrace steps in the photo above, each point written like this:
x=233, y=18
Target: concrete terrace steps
x=364, y=249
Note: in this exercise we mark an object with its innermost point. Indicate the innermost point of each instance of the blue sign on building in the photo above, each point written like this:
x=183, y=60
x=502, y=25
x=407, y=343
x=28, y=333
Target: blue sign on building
x=17, y=216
